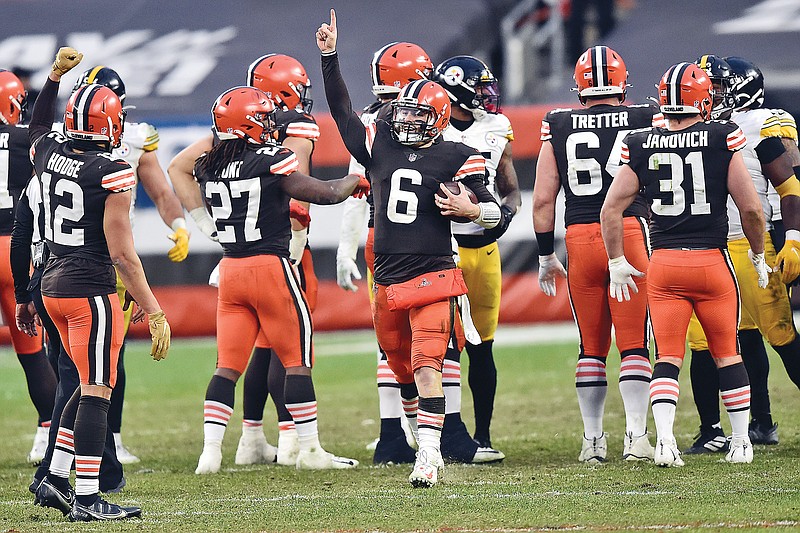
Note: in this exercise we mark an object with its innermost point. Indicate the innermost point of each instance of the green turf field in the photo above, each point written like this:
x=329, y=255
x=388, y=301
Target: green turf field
x=540, y=485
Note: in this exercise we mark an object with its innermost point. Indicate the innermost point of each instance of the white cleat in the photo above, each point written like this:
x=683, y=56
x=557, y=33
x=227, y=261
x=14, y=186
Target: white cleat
x=255, y=450
x=637, y=448
x=319, y=459
x=594, y=450
x=210, y=460
x=288, y=448
x=39, y=448
x=667, y=453
x=741, y=451
x=374, y=444
x=125, y=456
x=426, y=468
x=485, y=455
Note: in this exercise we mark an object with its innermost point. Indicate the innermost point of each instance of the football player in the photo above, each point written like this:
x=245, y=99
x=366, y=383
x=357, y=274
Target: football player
x=690, y=269
x=86, y=200
x=416, y=282
x=392, y=67
x=580, y=153
x=138, y=149
x=768, y=312
x=14, y=176
x=286, y=82
x=247, y=180
x=476, y=120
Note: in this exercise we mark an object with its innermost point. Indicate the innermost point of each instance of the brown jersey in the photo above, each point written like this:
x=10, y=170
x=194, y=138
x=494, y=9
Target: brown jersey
x=684, y=175
x=247, y=202
x=586, y=143
x=74, y=191
x=15, y=171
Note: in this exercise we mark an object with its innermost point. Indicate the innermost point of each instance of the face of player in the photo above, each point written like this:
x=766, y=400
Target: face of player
x=409, y=124
x=489, y=96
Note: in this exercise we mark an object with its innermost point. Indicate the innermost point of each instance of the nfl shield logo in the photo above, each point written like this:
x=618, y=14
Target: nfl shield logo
x=412, y=157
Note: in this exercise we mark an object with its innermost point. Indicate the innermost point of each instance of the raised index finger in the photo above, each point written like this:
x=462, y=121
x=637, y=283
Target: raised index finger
x=333, y=19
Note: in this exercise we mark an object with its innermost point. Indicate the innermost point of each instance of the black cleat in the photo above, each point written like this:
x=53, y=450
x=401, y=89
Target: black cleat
x=760, y=434
x=34, y=486
x=48, y=495
x=458, y=447
x=394, y=450
x=709, y=440
x=102, y=510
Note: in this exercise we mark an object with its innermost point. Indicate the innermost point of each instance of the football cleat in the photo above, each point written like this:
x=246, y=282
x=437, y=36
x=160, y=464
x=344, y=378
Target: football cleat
x=48, y=495
x=594, y=450
x=709, y=440
x=394, y=451
x=667, y=453
x=760, y=434
x=288, y=448
x=254, y=450
x=125, y=456
x=210, y=460
x=426, y=468
x=102, y=510
x=39, y=448
x=115, y=489
x=487, y=455
x=741, y=451
x=637, y=448
x=319, y=459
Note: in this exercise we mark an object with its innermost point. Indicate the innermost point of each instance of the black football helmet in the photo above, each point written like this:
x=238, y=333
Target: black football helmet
x=723, y=79
x=748, y=90
x=469, y=83
x=102, y=75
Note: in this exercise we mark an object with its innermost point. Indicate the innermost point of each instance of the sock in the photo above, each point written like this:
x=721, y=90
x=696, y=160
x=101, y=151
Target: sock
x=90, y=438
x=790, y=355
x=635, y=373
x=451, y=379
x=705, y=387
x=286, y=429
x=118, y=396
x=64, y=449
x=277, y=383
x=389, y=403
x=591, y=385
x=430, y=417
x=301, y=402
x=482, y=380
x=256, y=384
x=410, y=400
x=41, y=383
x=735, y=390
x=664, y=391
x=217, y=410
x=252, y=428
x=756, y=362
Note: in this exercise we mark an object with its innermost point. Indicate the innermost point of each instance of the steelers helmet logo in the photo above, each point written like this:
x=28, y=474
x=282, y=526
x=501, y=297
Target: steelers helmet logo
x=454, y=75
x=491, y=139
x=123, y=150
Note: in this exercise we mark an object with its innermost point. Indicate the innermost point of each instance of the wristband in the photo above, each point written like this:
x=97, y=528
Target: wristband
x=178, y=223
x=490, y=215
x=546, y=241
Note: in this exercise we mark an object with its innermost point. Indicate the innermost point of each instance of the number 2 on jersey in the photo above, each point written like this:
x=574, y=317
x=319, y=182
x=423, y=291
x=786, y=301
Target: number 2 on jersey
x=221, y=213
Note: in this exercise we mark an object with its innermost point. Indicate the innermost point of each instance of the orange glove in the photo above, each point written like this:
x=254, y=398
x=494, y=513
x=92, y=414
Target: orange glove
x=298, y=212
x=362, y=189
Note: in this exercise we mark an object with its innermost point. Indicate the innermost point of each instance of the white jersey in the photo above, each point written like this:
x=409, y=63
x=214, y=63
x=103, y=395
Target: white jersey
x=756, y=126
x=489, y=136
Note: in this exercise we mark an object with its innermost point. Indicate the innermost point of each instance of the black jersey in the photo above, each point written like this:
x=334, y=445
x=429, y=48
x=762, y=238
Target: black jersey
x=74, y=190
x=248, y=204
x=587, y=144
x=295, y=123
x=15, y=171
x=684, y=175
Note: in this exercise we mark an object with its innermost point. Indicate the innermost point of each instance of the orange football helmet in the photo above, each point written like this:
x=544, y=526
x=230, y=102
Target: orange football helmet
x=420, y=113
x=395, y=65
x=686, y=89
x=94, y=113
x=600, y=71
x=284, y=79
x=245, y=113
x=12, y=98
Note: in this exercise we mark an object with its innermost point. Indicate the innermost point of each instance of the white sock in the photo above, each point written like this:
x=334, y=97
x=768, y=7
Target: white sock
x=591, y=386
x=389, y=401
x=215, y=421
x=737, y=403
x=664, y=394
x=451, y=384
x=305, y=422
x=635, y=374
x=63, y=453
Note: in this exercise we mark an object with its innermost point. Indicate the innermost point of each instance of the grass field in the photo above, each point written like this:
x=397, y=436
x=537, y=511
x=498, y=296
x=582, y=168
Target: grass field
x=539, y=486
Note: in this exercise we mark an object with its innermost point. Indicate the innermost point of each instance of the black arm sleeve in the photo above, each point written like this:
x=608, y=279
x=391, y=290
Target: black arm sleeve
x=475, y=183
x=350, y=127
x=769, y=150
x=44, y=111
x=21, y=237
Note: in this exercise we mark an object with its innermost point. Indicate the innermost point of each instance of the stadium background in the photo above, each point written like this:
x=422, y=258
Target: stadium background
x=175, y=58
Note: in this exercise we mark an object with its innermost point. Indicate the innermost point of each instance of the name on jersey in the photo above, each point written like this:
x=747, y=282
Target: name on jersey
x=4, y=139
x=601, y=120
x=691, y=139
x=231, y=172
x=64, y=165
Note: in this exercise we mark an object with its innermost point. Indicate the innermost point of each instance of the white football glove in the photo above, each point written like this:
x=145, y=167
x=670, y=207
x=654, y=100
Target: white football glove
x=622, y=278
x=762, y=269
x=297, y=244
x=346, y=272
x=550, y=268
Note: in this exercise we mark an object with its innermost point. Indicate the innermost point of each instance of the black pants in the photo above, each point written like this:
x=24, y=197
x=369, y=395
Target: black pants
x=68, y=381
